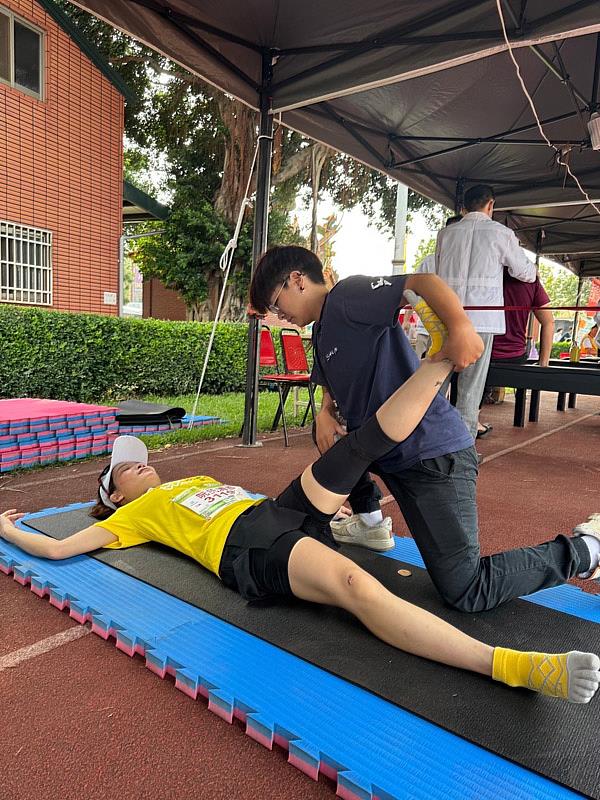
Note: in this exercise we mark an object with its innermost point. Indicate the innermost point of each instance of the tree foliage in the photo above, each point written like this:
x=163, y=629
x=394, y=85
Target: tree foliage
x=195, y=145
x=350, y=183
x=561, y=285
x=425, y=248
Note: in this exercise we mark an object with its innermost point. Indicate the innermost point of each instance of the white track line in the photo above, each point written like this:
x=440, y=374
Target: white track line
x=389, y=498
x=43, y=646
x=537, y=438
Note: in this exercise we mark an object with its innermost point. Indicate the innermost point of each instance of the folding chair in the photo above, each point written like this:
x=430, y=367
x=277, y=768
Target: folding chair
x=283, y=383
x=296, y=368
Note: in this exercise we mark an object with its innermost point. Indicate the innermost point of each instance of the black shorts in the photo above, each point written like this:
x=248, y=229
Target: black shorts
x=257, y=551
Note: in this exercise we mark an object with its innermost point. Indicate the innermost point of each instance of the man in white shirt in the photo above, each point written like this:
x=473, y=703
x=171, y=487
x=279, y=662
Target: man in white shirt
x=470, y=257
x=428, y=266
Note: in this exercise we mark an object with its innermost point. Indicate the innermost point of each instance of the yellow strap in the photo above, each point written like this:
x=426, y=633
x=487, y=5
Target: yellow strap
x=433, y=325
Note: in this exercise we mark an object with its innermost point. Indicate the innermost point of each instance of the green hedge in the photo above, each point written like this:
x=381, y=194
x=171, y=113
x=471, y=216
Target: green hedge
x=558, y=348
x=89, y=357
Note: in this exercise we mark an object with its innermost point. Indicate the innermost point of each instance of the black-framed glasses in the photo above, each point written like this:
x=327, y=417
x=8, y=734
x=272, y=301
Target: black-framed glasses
x=273, y=307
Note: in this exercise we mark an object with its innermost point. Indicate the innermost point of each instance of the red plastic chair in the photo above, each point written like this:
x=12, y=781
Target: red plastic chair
x=297, y=369
x=285, y=381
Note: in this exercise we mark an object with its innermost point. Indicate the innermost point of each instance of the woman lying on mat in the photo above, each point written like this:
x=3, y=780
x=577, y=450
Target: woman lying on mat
x=264, y=548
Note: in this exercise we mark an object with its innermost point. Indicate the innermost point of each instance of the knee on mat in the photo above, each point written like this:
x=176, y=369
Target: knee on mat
x=465, y=586
x=469, y=602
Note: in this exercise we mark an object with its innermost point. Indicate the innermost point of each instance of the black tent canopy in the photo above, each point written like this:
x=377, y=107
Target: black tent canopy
x=563, y=231
x=473, y=123
x=422, y=90
x=325, y=48
x=586, y=265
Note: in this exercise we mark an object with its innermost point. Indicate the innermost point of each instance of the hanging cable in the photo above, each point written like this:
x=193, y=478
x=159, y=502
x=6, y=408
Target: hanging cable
x=558, y=151
x=225, y=263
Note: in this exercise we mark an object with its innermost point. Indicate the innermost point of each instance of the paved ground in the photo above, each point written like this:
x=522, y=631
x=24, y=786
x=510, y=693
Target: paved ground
x=82, y=721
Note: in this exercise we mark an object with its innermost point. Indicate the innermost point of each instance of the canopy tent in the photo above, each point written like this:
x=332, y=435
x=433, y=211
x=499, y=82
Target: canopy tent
x=570, y=233
x=474, y=124
x=586, y=265
x=423, y=91
x=326, y=48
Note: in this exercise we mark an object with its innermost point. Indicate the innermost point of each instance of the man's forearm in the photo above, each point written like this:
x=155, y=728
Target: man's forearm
x=440, y=297
x=546, y=341
x=546, y=319
x=327, y=401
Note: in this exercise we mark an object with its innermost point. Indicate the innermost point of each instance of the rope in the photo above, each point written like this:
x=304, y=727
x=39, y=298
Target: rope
x=225, y=263
x=557, y=150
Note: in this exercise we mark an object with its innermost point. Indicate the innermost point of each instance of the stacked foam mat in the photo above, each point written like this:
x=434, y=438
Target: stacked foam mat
x=35, y=431
x=372, y=748
x=136, y=417
x=150, y=429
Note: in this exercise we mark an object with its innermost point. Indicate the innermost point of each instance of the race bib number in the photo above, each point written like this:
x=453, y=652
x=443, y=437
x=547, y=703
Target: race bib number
x=207, y=503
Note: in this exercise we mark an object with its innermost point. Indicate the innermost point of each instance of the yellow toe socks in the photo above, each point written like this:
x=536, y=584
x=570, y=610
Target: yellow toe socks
x=572, y=676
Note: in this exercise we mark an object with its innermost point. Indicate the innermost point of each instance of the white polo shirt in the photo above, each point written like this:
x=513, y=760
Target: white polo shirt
x=470, y=257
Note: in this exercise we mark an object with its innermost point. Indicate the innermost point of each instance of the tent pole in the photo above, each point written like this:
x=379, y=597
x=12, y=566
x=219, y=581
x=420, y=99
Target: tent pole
x=577, y=302
x=594, y=105
x=259, y=244
x=459, y=195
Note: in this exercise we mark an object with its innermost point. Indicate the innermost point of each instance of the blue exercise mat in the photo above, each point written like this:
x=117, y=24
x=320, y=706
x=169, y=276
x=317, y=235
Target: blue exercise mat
x=164, y=648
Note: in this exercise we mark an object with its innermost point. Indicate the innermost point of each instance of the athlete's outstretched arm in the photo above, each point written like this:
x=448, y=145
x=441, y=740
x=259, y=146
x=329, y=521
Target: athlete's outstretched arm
x=45, y=546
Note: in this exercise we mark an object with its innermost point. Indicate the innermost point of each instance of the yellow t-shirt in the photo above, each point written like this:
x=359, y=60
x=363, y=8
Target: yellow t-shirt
x=193, y=516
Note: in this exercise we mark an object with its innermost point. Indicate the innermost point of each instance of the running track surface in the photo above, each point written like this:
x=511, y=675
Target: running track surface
x=82, y=720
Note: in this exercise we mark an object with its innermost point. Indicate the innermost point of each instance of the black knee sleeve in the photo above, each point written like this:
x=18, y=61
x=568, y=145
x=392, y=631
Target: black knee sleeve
x=294, y=496
x=340, y=468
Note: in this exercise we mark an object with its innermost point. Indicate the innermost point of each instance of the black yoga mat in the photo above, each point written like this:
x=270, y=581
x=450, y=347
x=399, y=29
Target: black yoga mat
x=552, y=737
x=137, y=412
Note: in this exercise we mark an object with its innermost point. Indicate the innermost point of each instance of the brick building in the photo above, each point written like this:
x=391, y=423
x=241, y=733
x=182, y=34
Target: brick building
x=61, y=163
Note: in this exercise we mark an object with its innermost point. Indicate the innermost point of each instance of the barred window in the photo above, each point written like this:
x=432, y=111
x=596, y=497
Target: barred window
x=21, y=53
x=25, y=264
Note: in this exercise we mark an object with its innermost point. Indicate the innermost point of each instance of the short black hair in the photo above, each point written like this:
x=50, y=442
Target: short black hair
x=452, y=220
x=275, y=266
x=478, y=196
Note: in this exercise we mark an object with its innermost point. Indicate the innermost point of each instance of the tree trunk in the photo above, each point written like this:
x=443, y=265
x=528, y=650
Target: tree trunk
x=319, y=156
x=232, y=310
x=240, y=122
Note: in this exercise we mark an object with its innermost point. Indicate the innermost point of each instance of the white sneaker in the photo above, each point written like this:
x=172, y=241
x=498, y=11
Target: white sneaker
x=352, y=530
x=590, y=528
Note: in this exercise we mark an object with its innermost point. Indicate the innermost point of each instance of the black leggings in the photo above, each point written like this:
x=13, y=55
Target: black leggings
x=256, y=555
x=341, y=467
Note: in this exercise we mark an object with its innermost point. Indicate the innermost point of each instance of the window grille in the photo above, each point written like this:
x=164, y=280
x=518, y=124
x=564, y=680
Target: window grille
x=25, y=264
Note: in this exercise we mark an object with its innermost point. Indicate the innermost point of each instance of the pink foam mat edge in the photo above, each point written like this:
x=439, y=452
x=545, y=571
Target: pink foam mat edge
x=26, y=408
x=223, y=710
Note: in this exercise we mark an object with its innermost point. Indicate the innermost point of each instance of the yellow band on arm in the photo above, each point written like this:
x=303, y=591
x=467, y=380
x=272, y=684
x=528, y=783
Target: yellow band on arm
x=431, y=322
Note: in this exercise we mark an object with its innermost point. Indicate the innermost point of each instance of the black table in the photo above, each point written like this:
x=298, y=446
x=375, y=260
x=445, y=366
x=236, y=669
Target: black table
x=572, y=380
x=583, y=363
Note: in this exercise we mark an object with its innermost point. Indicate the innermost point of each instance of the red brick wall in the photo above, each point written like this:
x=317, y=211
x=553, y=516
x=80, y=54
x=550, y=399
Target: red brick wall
x=61, y=166
x=162, y=303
